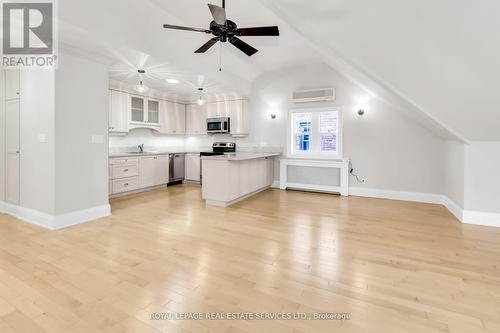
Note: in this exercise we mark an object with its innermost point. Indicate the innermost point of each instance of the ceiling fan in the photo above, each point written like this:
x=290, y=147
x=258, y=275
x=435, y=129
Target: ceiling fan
x=226, y=30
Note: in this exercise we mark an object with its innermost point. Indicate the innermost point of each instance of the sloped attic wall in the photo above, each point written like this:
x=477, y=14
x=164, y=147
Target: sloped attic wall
x=390, y=150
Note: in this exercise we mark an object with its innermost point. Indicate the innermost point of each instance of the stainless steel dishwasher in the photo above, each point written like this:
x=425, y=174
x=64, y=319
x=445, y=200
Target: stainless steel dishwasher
x=176, y=168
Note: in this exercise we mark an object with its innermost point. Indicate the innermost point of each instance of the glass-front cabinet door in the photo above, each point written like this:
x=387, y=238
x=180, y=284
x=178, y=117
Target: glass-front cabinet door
x=153, y=112
x=137, y=109
x=144, y=110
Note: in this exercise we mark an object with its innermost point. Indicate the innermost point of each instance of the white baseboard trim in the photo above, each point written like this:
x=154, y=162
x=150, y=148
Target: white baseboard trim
x=396, y=195
x=453, y=207
x=275, y=184
x=82, y=216
x=52, y=222
x=481, y=218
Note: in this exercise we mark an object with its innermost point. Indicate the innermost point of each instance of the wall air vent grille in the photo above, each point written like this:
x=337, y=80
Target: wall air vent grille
x=314, y=95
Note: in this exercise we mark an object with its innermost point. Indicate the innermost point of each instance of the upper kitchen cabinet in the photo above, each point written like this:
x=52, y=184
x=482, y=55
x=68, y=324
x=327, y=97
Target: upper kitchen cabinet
x=172, y=118
x=153, y=112
x=118, y=111
x=196, y=119
x=217, y=110
x=144, y=112
x=237, y=111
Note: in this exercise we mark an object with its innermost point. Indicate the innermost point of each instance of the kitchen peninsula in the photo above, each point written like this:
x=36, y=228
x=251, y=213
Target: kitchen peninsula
x=230, y=178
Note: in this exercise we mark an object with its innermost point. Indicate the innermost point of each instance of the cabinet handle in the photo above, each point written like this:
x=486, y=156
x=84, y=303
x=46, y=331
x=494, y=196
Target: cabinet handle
x=126, y=170
x=126, y=184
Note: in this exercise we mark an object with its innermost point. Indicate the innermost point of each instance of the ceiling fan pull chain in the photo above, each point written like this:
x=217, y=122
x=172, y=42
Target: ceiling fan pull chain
x=220, y=57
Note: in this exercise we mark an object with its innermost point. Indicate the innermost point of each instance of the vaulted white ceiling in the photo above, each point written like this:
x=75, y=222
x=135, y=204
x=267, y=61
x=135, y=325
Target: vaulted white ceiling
x=437, y=60
x=130, y=33
x=443, y=57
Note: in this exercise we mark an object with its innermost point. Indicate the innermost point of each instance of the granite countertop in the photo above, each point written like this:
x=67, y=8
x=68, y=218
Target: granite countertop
x=239, y=156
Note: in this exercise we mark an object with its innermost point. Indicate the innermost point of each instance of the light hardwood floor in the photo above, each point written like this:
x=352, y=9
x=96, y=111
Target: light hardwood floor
x=395, y=266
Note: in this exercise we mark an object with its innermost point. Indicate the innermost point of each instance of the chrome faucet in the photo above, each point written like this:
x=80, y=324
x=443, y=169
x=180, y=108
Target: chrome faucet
x=141, y=148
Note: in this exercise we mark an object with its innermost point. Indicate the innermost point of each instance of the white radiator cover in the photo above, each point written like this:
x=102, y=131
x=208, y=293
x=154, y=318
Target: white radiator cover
x=313, y=175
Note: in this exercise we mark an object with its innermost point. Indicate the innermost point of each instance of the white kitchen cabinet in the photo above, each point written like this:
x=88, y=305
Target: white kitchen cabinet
x=217, y=110
x=118, y=111
x=153, y=170
x=192, y=167
x=137, y=109
x=236, y=110
x=228, y=180
x=162, y=169
x=238, y=113
x=144, y=112
x=153, y=111
x=124, y=185
x=12, y=84
x=196, y=119
x=172, y=118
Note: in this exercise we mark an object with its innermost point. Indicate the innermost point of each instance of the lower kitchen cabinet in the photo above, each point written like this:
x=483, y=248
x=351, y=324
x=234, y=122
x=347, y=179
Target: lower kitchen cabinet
x=134, y=173
x=153, y=170
x=193, y=167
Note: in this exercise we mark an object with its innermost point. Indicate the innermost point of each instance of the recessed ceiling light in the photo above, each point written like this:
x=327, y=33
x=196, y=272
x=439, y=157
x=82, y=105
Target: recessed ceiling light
x=173, y=81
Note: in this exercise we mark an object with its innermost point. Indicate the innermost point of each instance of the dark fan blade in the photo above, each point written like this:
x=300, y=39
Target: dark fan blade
x=176, y=27
x=259, y=31
x=218, y=13
x=207, y=45
x=244, y=47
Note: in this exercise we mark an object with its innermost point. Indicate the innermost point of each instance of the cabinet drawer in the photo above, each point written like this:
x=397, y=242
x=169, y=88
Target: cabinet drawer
x=126, y=161
x=123, y=171
x=125, y=184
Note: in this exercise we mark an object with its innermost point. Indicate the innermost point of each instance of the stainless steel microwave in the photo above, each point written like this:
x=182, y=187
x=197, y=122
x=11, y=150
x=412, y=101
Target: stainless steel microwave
x=218, y=125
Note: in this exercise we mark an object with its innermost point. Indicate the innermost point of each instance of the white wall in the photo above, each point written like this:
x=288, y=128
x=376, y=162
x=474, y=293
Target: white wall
x=454, y=172
x=482, y=182
x=37, y=160
x=81, y=111
x=390, y=150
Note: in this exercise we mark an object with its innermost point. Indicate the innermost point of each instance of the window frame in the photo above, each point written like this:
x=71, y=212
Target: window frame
x=315, y=139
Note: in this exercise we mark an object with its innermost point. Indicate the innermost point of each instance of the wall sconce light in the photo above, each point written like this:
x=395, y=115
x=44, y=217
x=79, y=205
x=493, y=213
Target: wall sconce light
x=361, y=112
x=273, y=116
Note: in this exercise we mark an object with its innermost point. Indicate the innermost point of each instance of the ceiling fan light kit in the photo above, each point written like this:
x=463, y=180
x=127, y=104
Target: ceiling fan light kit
x=226, y=30
x=200, y=100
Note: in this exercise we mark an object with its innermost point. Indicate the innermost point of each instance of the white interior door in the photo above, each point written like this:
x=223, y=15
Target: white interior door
x=12, y=151
x=12, y=84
